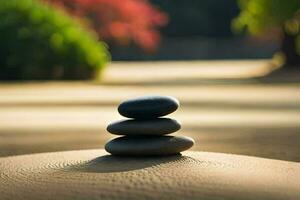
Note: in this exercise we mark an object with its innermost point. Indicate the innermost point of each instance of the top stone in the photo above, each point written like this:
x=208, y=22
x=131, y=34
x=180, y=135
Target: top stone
x=148, y=107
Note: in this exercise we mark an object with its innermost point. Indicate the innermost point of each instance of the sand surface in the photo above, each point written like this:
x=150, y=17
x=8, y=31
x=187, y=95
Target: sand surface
x=93, y=174
x=223, y=107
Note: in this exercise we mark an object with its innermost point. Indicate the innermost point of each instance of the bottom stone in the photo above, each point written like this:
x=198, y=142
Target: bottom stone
x=148, y=145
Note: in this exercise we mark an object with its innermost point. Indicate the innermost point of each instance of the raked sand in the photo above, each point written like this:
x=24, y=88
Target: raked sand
x=220, y=109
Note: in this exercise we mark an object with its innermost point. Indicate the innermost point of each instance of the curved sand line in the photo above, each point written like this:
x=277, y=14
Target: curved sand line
x=93, y=174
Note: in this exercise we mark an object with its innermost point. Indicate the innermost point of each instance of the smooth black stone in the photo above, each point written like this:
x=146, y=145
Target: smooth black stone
x=148, y=145
x=159, y=126
x=148, y=107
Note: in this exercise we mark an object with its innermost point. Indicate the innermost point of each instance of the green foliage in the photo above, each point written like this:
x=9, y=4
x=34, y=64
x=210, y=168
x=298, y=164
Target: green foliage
x=262, y=16
x=42, y=42
x=258, y=16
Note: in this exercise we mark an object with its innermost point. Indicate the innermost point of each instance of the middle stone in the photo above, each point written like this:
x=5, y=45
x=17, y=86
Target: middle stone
x=159, y=126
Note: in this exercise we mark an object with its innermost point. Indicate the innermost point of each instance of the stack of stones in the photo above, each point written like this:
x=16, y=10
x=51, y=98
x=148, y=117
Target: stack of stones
x=145, y=133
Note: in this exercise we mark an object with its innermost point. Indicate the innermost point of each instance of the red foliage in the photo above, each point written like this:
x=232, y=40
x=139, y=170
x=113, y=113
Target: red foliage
x=121, y=21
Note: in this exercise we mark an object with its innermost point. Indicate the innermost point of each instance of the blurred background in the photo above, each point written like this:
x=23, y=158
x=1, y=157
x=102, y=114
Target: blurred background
x=233, y=64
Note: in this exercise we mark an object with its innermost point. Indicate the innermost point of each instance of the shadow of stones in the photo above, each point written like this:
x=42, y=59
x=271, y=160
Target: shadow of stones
x=110, y=163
